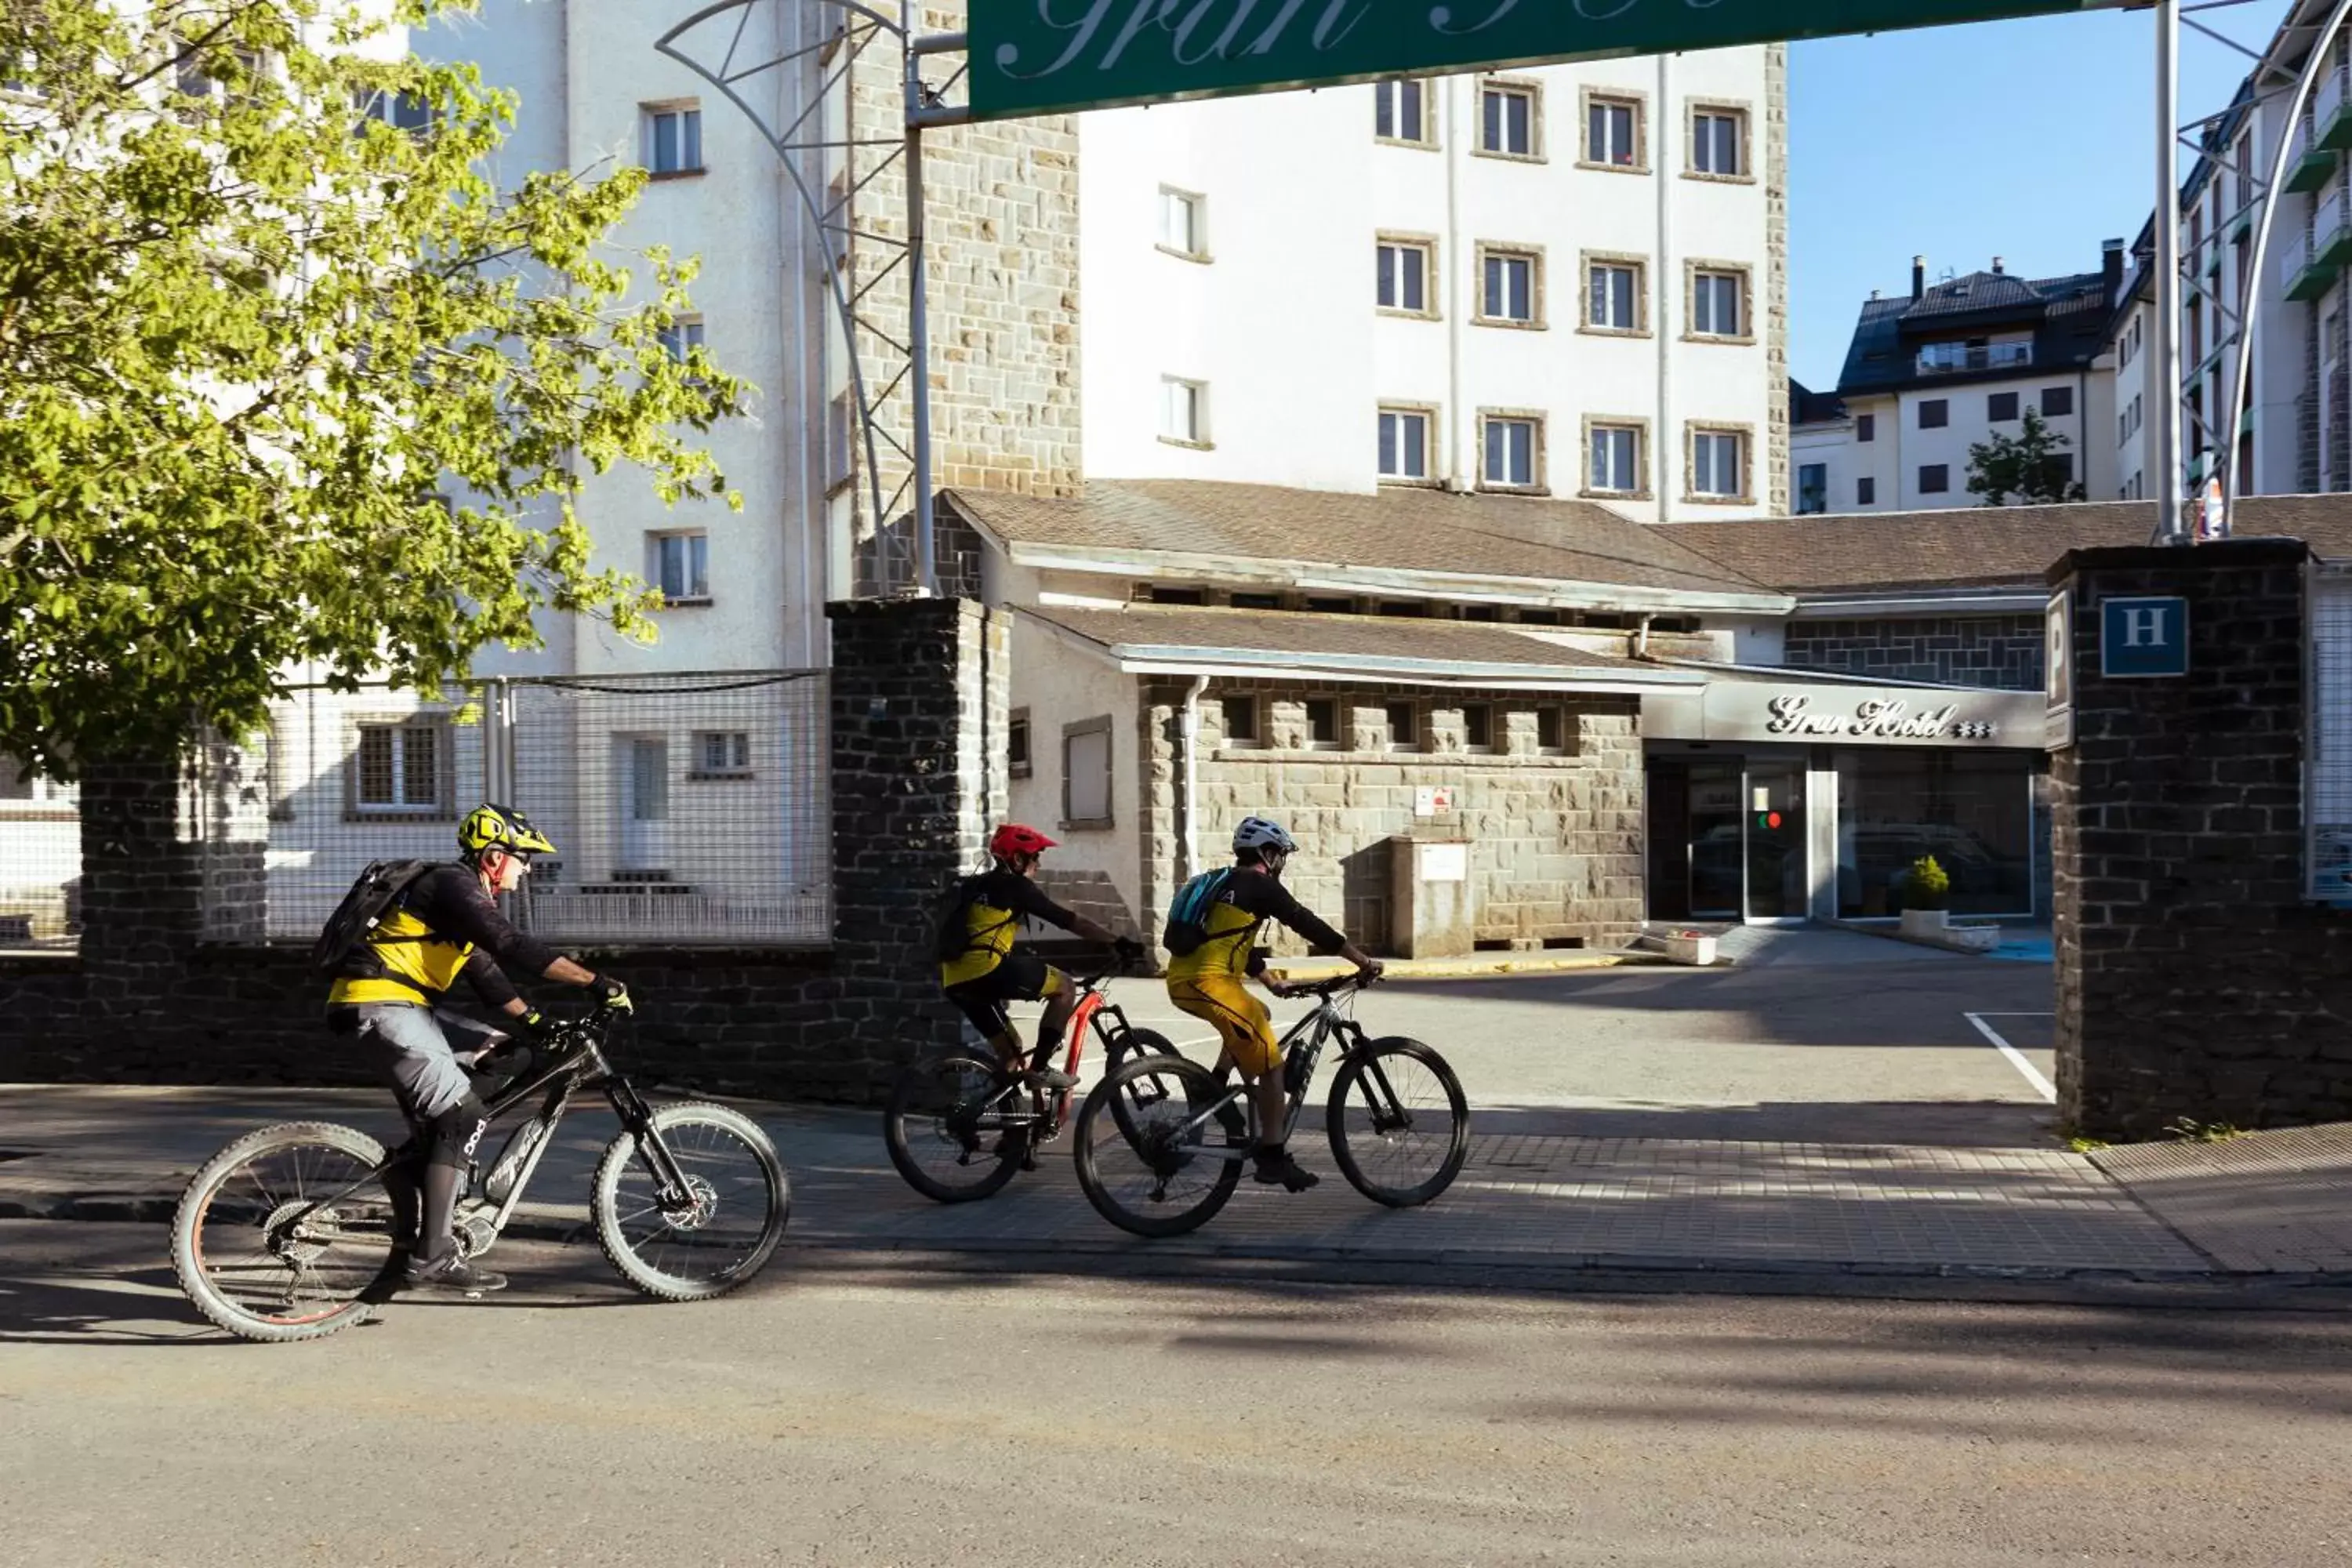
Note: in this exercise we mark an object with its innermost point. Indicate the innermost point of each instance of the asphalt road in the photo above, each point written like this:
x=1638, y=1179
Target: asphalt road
x=976, y=1420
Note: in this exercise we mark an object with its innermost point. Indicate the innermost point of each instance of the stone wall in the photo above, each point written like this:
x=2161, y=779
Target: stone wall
x=2000, y=652
x=1555, y=840
x=2194, y=980
x=919, y=710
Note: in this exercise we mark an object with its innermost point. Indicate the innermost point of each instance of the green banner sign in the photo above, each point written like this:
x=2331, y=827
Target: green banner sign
x=1042, y=57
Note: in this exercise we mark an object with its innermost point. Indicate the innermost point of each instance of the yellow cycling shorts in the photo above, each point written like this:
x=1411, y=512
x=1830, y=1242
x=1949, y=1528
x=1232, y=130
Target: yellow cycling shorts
x=1243, y=1023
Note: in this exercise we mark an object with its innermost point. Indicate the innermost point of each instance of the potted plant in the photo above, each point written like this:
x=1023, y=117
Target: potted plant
x=1926, y=890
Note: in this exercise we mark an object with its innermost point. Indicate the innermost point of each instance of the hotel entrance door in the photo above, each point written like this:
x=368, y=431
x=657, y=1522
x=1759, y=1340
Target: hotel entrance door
x=1727, y=839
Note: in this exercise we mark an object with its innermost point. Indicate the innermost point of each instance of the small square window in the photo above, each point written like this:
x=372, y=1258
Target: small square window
x=2001, y=408
x=401, y=767
x=401, y=110
x=1016, y=744
x=1551, y=731
x=680, y=566
x=1513, y=452
x=1614, y=302
x=672, y=139
x=1323, y=720
x=681, y=337
x=1241, y=720
x=1865, y=492
x=1184, y=411
x=1935, y=414
x=2057, y=402
x=1718, y=137
x=1400, y=112
x=1865, y=426
x=1182, y=229
x=1159, y=595
x=1404, y=726
x=1482, y=613
x=1404, y=270
x=1716, y=305
x=1935, y=478
x=722, y=754
x=1540, y=618
x=1478, y=726
x=1612, y=133
x=1509, y=287
x=1255, y=601
x=1507, y=121
x=1404, y=444
x=1331, y=606
x=1616, y=459
x=1718, y=465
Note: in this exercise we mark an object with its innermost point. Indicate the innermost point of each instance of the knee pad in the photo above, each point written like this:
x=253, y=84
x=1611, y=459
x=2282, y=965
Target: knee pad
x=457, y=1134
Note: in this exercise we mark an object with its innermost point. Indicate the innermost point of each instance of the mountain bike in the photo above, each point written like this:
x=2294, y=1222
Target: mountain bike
x=296, y=1231
x=959, y=1126
x=1171, y=1154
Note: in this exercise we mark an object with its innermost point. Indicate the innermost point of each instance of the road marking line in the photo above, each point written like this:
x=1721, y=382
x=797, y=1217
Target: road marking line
x=2042, y=1086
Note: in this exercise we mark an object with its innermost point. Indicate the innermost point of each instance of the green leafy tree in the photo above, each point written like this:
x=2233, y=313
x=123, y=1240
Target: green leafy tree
x=2028, y=467
x=283, y=381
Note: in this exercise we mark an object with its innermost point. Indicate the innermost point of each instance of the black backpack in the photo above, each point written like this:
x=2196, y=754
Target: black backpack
x=363, y=908
x=950, y=932
x=1188, y=917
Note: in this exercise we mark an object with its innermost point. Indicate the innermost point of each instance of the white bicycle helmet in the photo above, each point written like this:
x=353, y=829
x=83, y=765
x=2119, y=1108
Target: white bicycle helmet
x=1258, y=832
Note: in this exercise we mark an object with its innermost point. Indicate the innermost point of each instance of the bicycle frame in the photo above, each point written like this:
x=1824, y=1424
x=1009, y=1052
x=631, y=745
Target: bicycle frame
x=1094, y=1006
x=1327, y=1023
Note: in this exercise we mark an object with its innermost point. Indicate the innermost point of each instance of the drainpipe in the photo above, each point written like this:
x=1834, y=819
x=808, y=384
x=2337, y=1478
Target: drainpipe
x=1457, y=267
x=1641, y=637
x=1189, y=818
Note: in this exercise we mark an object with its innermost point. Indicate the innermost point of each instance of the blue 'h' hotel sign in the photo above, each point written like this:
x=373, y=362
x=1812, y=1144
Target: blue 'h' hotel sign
x=2142, y=637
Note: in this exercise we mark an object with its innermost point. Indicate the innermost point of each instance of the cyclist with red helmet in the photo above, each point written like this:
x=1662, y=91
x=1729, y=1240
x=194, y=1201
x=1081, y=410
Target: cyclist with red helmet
x=983, y=971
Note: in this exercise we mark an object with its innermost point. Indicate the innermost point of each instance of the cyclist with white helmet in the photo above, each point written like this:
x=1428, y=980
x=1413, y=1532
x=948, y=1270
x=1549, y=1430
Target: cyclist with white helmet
x=442, y=926
x=1212, y=934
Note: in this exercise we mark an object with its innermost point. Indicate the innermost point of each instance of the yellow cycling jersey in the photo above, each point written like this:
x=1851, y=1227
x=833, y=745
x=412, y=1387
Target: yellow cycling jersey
x=415, y=964
x=995, y=903
x=1247, y=900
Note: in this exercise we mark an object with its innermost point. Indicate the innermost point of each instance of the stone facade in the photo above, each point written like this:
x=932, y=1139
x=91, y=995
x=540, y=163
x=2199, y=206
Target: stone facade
x=2003, y=653
x=1776, y=241
x=2194, y=980
x=918, y=715
x=1555, y=840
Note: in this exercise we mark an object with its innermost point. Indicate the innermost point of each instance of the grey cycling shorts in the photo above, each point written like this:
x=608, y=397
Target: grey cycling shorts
x=416, y=1049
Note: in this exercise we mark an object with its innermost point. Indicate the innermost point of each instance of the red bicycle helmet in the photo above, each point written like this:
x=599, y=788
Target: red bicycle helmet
x=1012, y=839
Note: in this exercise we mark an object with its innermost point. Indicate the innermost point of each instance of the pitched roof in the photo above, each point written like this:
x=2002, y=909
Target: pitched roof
x=1806, y=406
x=1401, y=529
x=1358, y=645
x=2068, y=315
x=1979, y=546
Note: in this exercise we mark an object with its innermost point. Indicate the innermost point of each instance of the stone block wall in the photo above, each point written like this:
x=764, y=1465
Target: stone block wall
x=919, y=712
x=2003, y=653
x=1557, y=841
x=2194, y=979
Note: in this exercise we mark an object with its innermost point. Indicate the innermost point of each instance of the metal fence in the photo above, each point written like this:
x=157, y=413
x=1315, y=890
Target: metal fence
x=2327, y=788
x=686, y=810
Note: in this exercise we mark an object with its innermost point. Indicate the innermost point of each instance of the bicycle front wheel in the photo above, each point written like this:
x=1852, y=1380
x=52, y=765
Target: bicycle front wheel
x=1159, y=1145
x=720, y=1230
x=957, y=1127
x=293, y=1232
x=1399, y=1125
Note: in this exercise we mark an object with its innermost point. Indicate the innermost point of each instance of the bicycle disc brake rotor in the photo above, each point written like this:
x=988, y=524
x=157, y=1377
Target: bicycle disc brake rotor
x=701, y=1206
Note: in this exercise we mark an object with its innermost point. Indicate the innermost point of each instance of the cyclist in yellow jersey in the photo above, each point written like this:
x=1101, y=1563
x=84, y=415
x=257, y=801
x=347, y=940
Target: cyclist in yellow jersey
x=1212, y=934
x=981, y=970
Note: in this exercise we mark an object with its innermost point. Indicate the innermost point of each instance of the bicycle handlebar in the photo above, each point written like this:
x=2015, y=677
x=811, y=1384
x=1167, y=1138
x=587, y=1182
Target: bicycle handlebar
x=1356, y=980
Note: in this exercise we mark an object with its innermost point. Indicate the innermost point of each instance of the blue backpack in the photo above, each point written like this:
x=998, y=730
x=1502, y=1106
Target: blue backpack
x=1188, y=917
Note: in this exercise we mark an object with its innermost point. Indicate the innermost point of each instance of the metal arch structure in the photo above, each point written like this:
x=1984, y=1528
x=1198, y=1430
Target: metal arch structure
x=825, y=65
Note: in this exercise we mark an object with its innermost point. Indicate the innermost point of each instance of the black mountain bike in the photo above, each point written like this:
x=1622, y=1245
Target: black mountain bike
x=1162, y=1142
x=296, y=1231
x=959, y=1126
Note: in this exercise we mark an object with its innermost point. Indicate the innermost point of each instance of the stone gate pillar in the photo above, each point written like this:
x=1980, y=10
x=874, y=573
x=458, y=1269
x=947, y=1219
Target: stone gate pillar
x=2194, y=978
x=920, y=695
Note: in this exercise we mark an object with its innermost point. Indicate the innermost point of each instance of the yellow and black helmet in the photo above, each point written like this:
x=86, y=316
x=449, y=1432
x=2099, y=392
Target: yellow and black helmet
x=490, y=826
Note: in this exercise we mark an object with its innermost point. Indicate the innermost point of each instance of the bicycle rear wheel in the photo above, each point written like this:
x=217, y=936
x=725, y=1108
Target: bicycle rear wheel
x=1159, y=1145
x=1137, y=1096
x=704, y=1242
x=293, y=1232
x=956, y=1127
x=1399, y=1125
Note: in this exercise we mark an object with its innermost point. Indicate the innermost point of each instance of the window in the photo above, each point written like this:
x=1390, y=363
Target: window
x=1241, y=720
x=1409, y=610
x=1551, y=732
x=1404, y=444
x=2059, y=471
x=1718, y=466
x=1255, y=601
x=1513, y=447
x=1718, y=139
x=1813, y=488
x=1716, y=304
x=1508, y=128
x=1183, y=230
x=1935, y=478
x=1865, y=426
x=403, y=767
x=681, y=567
x=1477, y=727
x=1404, y=269
x=1509, y=287
x=721, y=754
x=1086, y=773
x=681, y=337
x=1401, y=114
x=1540, y=618
x=1404, y=734
x=1615, y=296
x=841, y=442
x=1616, y=459
x=1865, y=492
x=1159, y=595
x=2001, y=408
x=1323, y=720
x=1935, y=414
x=2057, y=402
x=1331, y=607
x=1482, y=613
x=1016, y=744
x=673, y=139
x=401, y=110
x=1612, y=133
x=1184, y=411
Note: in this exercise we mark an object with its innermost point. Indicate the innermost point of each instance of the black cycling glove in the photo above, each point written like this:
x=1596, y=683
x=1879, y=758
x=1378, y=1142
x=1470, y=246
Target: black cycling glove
x=1129, y=952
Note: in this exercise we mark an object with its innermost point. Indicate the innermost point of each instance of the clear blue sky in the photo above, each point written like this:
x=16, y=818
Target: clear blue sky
x=2031, y=140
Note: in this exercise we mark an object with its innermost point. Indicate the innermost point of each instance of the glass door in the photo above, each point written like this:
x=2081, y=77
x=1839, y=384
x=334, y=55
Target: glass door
x=1775, y=826
x=1715, y=863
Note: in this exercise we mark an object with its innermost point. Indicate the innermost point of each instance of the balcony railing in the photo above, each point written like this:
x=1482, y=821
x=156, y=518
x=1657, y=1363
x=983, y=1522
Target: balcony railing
x=1953, y=359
